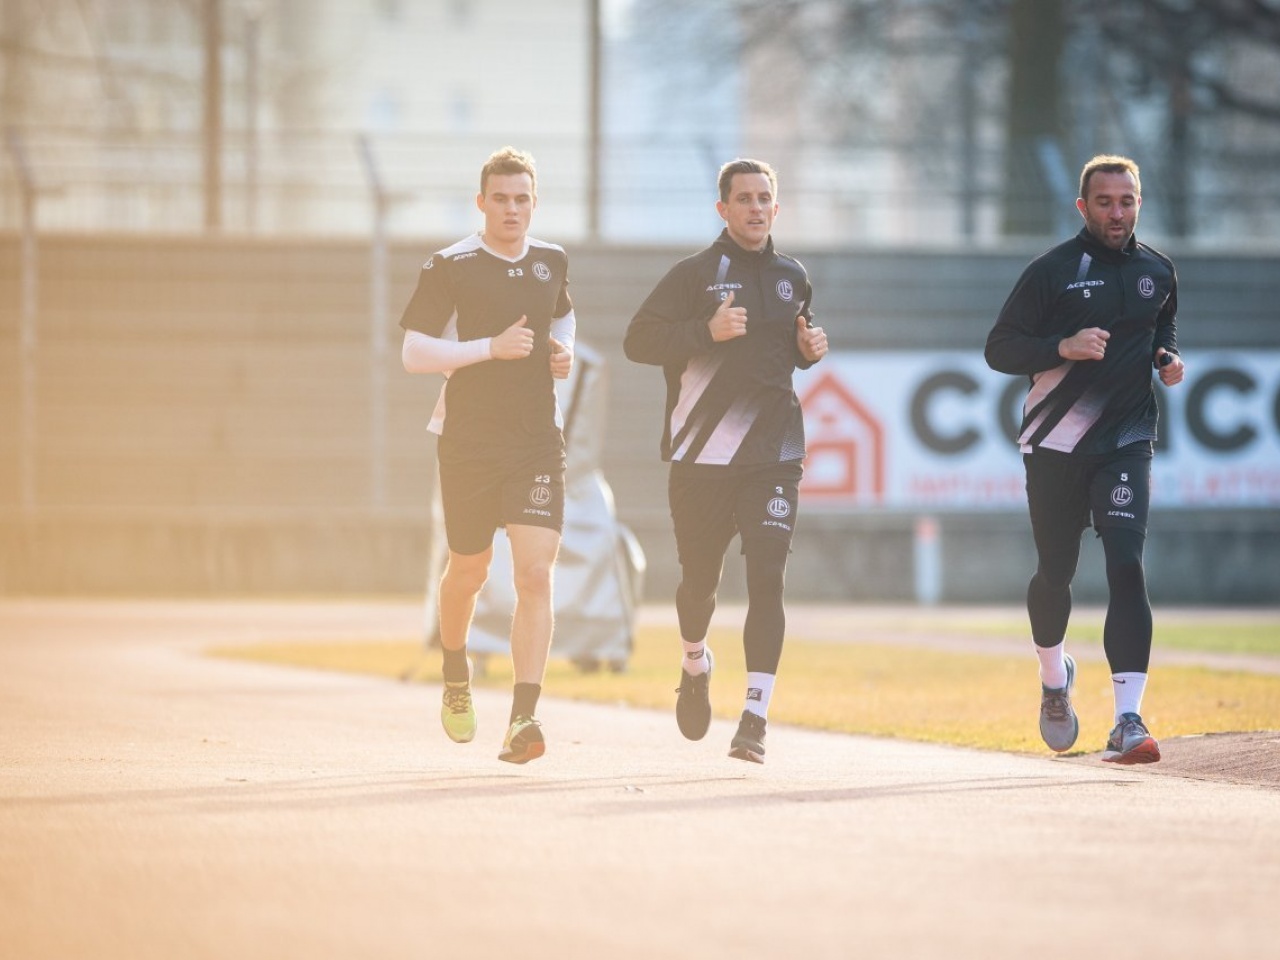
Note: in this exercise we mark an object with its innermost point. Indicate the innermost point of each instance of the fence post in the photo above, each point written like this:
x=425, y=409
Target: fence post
x=928, y=561
x=377, y=331
x=28, y=329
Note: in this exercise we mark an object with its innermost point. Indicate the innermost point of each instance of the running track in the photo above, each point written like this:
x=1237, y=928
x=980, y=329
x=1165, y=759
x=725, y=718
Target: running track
x=155, y=803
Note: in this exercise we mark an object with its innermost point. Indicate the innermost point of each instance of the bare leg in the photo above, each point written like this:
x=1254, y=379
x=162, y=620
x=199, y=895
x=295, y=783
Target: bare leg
x=459, y=588
x=533, y=556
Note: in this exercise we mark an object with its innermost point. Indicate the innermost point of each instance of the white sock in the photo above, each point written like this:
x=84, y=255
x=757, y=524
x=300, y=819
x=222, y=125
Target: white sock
x=759, y=690
x=1128, y=688
x=697, y=658
x=1053, y=665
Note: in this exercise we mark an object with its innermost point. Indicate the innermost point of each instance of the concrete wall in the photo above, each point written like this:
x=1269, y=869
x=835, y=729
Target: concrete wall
x=204, y=415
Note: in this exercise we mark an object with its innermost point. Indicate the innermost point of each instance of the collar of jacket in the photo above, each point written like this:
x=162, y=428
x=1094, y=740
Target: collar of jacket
x=1100, y=251
x=740, y=251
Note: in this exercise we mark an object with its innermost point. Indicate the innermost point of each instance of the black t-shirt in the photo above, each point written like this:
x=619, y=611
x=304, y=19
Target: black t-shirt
x=467, y=292
x=729, y=403
x=1093, y=406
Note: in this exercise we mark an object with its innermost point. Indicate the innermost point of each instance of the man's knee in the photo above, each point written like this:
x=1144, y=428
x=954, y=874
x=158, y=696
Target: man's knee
x=1050, y=580
x=1123, y=549
x=465, y=574
x=700, y=576
x=766, y=565
x=533, y=579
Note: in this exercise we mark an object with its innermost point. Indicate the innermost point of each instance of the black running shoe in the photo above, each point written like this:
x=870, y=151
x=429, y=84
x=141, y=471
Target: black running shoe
x=748, y=742
x=693, y=703
x=524, y=741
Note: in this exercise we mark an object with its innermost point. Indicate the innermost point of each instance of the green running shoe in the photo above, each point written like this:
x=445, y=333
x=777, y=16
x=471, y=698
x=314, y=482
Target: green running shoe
x=457, y=713
x=524, y=741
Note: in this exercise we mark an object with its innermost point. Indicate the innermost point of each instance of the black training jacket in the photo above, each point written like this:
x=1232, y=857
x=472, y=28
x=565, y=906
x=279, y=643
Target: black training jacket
x=729, y=403
x=1087, y=406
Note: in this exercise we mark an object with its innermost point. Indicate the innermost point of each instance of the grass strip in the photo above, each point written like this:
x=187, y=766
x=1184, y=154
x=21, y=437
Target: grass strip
x=980, y=700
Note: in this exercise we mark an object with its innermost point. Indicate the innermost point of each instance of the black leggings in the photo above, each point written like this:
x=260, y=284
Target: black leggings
x=766, y=622
x=1126, y=637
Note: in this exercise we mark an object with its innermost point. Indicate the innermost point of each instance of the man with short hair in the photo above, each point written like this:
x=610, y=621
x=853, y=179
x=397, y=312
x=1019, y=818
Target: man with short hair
x=1086, y=322
x=729, y=326
x=492, y=313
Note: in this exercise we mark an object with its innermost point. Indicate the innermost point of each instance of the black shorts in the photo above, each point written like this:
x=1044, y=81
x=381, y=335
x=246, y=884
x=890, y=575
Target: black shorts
x=1066, y=492
x=481, y=495
x=708, y=507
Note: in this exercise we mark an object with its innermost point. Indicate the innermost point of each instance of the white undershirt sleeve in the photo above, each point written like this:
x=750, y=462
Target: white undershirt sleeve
x=564, y=329
x=425, y=354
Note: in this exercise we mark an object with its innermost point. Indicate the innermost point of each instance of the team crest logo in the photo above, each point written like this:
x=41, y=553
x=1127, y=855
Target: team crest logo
x=1121, y=495
x=785, y=291
x=541, y=271
x=1146, y=287
x=540, y=496
x=778, y=507
x=431, y=262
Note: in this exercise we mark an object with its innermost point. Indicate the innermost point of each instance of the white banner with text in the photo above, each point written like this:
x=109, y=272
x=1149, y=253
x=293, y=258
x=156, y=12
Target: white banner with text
x=915, y=430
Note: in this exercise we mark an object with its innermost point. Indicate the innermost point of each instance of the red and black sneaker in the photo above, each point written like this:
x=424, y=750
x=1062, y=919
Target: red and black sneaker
x=1130, y=742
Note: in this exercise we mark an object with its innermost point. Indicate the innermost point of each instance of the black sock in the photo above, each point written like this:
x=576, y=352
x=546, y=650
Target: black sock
x=525, y=699
x=455, y=667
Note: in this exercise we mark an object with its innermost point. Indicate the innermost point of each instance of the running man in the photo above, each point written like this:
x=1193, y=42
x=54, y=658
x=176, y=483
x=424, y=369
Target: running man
x=729, y=326
x=492, y=313
x=1086, y=322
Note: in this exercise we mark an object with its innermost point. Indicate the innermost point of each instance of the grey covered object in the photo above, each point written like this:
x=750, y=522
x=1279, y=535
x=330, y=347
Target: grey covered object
x=599, y=573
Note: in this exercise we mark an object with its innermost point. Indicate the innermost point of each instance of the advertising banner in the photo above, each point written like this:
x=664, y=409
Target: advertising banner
x=933, y=431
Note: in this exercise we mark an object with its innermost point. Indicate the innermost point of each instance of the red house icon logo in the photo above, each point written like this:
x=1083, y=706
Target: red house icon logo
x=845, y=443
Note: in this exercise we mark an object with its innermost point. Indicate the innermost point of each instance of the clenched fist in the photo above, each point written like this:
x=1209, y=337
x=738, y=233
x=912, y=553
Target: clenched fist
x=728, y=321
x=513, y=343
x=561, y=360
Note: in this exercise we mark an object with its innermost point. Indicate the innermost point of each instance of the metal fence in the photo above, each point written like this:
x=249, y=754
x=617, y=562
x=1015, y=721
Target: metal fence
x=319, y=183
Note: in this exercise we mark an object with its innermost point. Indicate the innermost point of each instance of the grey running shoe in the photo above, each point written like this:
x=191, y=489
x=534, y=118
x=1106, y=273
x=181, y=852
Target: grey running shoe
x=748, y=742
x=1130, y=742
x=1059, y=725
x=693, y=703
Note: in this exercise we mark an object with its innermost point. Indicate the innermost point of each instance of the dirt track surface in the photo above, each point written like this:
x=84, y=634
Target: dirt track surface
x=155, y=803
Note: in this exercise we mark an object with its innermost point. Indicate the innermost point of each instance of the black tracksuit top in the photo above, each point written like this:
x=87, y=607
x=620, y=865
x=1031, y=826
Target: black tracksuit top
x=1088, y=406
x=729, y=404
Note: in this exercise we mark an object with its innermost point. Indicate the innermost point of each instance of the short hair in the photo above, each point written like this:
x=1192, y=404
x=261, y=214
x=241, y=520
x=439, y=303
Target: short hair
x=508, y=160
x=1108, y=163
x=742, y=165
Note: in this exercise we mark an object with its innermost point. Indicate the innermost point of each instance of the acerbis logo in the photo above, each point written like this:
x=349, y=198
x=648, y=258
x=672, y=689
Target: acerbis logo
x=1121, y=495
x=431, y=262
x=1146, y=287
x=723, y=286
x=785, y=291
x=541, y=271
x=1086, y=283
x=466, y=256
x=778, y=507
x=540, y=496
